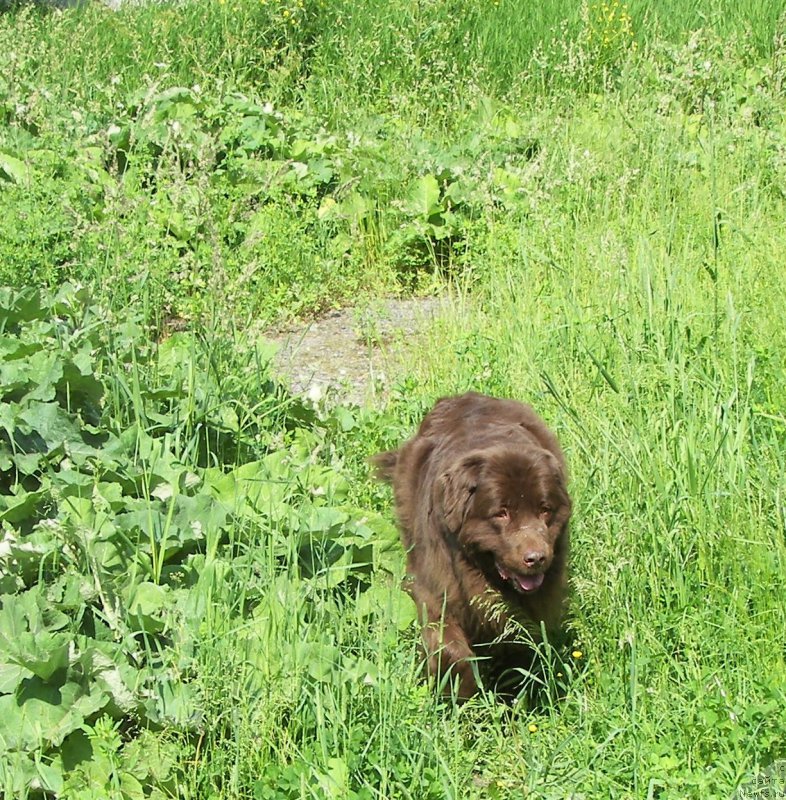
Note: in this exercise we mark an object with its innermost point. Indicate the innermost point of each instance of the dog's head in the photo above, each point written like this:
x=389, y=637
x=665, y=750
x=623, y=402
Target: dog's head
x=507, y=509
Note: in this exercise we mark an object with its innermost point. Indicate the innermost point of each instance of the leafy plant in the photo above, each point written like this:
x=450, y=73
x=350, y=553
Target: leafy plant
x=123, y=520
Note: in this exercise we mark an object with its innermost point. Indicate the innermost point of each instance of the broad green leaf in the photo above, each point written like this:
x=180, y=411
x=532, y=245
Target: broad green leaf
x=322, y=521
x=372, y=526
x=345, y=418
x=144, y=525
x=175, y=95
x=328, y=562
x=27, y=634
x=28, y=463
x=12, y=169
x=131, y=788
x=111, y=494
x=75, y=749
x=225, y=486
x=148, y=603
x=360, y=670
x=11, y=676
x=39, y=712
x=51, y=427
x=17, y=771
x=423, y=197
x=13, y=348
x=19, y=306
x=334, y=783
x=79, y=510
x=80, y=381
x=151, y=757
x=328, y=209
x=50, y=776
x=43, y=370
x=175, y=703
x=389, y=603
x=106, y=663
x=319, y=659
x=197, y=516
x=36, y=373
x=21, y=556
x=457, y=193
x=70, y=591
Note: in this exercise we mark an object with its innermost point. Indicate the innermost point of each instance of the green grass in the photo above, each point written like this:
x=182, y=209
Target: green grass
x=607, y=224
x=657, y=379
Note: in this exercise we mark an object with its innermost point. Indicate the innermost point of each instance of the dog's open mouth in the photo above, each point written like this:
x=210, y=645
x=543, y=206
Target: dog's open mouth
x=521, y=583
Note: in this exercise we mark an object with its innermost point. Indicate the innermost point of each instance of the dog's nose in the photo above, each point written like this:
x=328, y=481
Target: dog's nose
x=535, y=558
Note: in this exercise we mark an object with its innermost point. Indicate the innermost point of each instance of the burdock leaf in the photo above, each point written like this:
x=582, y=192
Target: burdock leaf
x=423, y=198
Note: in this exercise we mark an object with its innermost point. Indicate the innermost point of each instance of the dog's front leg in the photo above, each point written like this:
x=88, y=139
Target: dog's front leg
x=450, y=659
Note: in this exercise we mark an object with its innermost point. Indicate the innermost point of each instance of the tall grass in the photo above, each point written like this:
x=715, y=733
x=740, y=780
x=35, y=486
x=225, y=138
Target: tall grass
x=333, y=51
x=649, y=336
x=649, y=342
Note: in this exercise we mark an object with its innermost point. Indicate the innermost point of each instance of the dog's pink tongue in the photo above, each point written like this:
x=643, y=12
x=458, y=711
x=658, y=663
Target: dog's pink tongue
x=528, y=583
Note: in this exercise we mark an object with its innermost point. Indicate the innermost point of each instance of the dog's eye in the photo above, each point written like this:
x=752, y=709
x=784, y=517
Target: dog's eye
x=503, y=513
x=546, y=511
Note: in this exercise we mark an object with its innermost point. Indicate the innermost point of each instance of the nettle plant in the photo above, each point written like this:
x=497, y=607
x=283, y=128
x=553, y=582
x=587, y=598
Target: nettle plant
x=141, y=488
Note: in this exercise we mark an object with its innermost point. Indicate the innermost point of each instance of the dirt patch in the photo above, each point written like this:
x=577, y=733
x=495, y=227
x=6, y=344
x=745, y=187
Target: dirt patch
x=352, y=355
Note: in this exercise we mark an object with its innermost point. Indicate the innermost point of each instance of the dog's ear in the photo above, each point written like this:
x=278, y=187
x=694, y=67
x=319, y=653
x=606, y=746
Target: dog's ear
x=453, y=491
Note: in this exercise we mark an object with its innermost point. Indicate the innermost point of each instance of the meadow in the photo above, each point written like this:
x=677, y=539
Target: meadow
x=199, y=578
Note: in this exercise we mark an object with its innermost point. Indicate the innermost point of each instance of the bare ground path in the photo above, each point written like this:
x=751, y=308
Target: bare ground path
x=353, y=355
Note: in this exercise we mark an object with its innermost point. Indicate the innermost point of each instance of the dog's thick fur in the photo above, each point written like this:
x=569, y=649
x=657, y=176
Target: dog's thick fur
x=483, y=508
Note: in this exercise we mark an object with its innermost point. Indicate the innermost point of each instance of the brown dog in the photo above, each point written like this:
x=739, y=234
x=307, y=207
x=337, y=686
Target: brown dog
x=483, y=508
